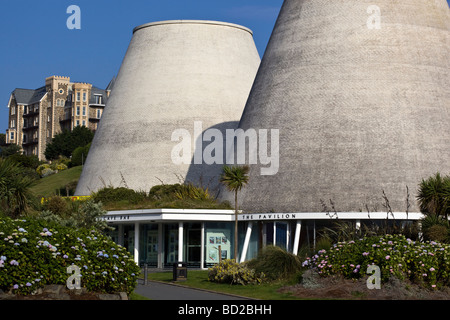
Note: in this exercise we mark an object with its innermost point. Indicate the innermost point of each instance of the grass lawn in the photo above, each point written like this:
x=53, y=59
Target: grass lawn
x=48, y=186
x=199, y=279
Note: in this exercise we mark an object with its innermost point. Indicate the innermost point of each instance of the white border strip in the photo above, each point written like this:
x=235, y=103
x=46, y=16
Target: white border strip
x=331, y=216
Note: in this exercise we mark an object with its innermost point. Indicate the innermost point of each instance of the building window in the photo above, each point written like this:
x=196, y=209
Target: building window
x=84, y=111
x=98, y=99
x=78, y=123
x=78, y=96
x=78, y=111
x=84, y=123
x=99, y=113
x=24, y=138
x=84, y=96
x=13, y=123
x=13, y=111
x=48, y=118
x=11, y=135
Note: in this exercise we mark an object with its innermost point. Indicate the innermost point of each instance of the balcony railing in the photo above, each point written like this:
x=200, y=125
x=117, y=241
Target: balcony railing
x=30, y=142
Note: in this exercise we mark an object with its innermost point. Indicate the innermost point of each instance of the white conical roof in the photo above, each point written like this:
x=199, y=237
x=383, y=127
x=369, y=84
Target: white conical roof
x=174, y=73
x=360, y=95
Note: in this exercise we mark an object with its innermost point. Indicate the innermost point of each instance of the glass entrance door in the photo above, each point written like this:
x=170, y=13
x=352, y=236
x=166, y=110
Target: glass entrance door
x=193, y=244
x=170, y=244
x=152, y=247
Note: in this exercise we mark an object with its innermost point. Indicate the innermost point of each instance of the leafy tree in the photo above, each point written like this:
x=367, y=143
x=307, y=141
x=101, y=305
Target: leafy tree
x=66, y=142
x=60, y=145
x=81, y=136
x=79, y=155
x=234, y=179
x=9, y=150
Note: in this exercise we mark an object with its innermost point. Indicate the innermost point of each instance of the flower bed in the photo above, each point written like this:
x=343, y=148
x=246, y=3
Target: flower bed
x=34, y=253
x=425, y=263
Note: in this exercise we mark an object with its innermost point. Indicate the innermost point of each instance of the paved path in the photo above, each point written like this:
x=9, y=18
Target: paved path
x=161, y=291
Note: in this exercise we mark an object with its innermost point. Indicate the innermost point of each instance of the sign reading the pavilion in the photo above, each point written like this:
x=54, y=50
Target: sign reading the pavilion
x=268, y=216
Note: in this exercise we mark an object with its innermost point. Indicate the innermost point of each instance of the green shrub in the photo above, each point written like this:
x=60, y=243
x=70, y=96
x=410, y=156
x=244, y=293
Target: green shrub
x=164, y=191
x=189, y=191
x=160, y=196
x=58, y=167
x=36, y=252
x=47, y=172
x=426, y=263
x=57, y=205
x=69, y=189
x=276, y=263
x=30, y=161
x=41, y=168
x=79, y=155
x=436, y=228
x=63, y=160
x=110, y=194
x=75, y=214
x=231, y=272
x=438, y=233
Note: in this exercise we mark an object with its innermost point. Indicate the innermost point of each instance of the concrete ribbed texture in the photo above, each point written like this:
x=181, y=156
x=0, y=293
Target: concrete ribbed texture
x=174, y=73
x=359, y=110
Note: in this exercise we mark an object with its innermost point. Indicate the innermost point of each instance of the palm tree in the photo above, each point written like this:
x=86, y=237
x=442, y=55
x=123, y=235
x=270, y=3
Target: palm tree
x=15, y=194
x=434, y=196
x=235, y=178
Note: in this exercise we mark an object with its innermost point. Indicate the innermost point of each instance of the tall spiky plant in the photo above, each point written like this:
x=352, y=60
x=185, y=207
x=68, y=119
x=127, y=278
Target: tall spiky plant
x=235, y=178
x=434, y=195
x=15, y=194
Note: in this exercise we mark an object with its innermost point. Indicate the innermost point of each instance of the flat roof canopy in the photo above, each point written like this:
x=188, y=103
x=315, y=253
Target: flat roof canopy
x=172, y=215
x=168, y=215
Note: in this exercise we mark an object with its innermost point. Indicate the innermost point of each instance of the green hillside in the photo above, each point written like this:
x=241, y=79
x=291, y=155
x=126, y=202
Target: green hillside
x=51, y=185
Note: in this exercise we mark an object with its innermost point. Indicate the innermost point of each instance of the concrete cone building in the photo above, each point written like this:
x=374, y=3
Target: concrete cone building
x=360, y=95
x=174, y=73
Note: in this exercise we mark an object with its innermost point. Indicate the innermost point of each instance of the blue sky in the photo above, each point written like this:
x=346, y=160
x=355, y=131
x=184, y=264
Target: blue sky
x=35, y=42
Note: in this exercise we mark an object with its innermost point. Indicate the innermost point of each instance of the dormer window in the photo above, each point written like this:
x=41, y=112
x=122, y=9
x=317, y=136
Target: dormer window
x=98, y=99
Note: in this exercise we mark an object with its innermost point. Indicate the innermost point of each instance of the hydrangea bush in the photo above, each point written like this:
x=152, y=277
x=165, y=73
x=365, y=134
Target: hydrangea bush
x=229, y=271
x=35, y=252
x=425, y=263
